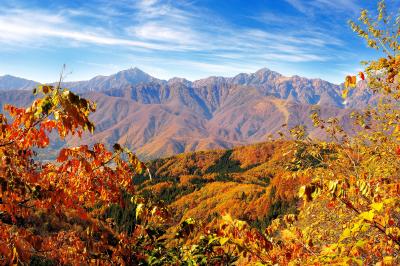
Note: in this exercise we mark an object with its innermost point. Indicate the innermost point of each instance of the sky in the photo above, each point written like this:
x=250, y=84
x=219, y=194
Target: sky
x=192, y=39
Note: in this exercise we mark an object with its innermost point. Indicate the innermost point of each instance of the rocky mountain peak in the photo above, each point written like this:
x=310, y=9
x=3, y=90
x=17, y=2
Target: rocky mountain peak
x=177, y=80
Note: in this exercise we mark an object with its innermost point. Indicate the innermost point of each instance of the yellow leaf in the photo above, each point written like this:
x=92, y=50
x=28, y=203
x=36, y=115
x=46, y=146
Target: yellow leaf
x=139, y=210
x=377, y=206
x=346, y=233
x=369, y=216
x=302, y=190
x=223, y=240
x=360, y=243
x=388, y=260
x=286, y=234
x=227, y=218
x=332, y=186
x=397, y=129
x=345, y=92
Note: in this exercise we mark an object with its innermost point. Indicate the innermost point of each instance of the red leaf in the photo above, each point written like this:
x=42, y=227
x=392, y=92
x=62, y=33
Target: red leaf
x=361, y=74
x=62, y=156
x=398, y=150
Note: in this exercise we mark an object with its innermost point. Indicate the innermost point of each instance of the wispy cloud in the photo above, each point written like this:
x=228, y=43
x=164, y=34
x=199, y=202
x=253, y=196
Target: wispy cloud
x=309, y=7
x=162, y=27
x=25, y=26
x=155, y=32
x=180, y=31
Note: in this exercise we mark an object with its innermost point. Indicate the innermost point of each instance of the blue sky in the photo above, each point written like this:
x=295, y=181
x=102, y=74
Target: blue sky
x=186, y=38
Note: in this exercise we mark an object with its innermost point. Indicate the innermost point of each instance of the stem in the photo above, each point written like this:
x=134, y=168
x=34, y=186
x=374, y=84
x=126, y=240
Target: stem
x=373, y=223
x=384, y=48
x=108, y=161
x=253, y=253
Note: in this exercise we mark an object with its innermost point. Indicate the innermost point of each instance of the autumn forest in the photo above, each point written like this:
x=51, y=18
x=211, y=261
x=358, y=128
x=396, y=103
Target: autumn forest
x=294, y=199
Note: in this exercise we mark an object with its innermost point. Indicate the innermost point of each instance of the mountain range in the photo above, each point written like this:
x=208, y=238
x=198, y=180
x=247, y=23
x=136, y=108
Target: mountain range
x=158, y=117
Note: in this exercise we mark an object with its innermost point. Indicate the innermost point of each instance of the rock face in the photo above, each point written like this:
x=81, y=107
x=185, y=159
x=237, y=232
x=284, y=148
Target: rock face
x=158, y=118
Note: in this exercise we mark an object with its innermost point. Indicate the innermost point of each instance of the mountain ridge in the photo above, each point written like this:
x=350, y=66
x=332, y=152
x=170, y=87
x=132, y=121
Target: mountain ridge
x=9, y=82
x=158, y=118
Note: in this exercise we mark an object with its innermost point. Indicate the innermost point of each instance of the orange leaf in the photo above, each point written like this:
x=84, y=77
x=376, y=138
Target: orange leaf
x=351, y=81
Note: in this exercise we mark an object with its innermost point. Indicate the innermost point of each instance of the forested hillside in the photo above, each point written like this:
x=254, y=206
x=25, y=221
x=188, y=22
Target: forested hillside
x=252, y=183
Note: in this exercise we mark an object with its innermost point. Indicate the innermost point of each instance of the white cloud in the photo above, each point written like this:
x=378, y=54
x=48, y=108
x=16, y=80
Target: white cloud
x=168, y=33
x=309, y=7
x=161, y=27
x=298, y=57
x=160, y=10
x=25, y=26
x=157, y=32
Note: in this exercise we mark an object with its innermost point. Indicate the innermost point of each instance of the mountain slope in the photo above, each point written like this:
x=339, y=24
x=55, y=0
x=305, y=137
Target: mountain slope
x=159, y=118
x=8, y=82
